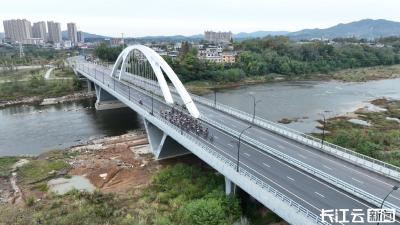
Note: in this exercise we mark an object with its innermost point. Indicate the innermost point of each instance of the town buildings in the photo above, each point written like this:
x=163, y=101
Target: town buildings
x=72, y=33
x=54, y=32
x=218, y=37
x=17, y=30
x=39, y=31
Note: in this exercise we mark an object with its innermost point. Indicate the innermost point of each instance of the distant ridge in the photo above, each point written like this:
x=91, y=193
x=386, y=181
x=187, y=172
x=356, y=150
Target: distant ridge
x=64, y=35
x=367, y=28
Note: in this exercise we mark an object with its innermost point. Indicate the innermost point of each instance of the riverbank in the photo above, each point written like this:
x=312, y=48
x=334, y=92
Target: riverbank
x=125, y=186
x=347, y=75
x=48, y=101
x=373, y=130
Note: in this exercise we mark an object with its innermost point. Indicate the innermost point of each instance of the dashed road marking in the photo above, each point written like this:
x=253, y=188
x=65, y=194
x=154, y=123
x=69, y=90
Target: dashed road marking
x=359, y=181
x=266, y=165
x=247, y=154
x=321, y=195
x=290, y=178
x=302, y=156
x=328, y=167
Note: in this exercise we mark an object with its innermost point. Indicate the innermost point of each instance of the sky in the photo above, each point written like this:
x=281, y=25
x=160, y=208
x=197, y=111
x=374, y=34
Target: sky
x=136, y=18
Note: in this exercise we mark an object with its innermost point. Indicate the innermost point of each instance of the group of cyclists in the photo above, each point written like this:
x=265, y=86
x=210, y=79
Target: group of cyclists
x=185, y=122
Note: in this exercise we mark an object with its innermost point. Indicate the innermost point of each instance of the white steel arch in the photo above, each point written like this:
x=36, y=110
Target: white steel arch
x=158, y=65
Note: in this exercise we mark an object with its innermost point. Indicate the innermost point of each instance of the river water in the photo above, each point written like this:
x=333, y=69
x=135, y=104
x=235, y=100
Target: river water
x=31, y=129
x=306, y=100
x=34, y=129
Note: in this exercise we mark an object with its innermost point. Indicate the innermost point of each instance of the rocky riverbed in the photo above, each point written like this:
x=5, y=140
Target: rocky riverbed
x=48, y=101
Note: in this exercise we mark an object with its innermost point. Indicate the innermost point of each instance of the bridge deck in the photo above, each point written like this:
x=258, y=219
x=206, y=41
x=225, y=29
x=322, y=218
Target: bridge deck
x=313, y=193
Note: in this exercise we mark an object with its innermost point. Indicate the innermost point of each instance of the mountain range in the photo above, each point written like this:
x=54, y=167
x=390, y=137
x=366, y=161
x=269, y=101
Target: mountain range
x=366, y=28
x=64, y=35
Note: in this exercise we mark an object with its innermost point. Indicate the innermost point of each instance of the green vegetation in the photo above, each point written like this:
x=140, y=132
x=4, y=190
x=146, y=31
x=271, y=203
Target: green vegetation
x=40, y=170
x=381, y=140
x=36, y=85
x=33, y=56
x=62, y=73
x=179, y=194
x=6, y=164
x=16, y=75
x=283, y=56
x=107, y=54
x=272, y=56
x=184, y=194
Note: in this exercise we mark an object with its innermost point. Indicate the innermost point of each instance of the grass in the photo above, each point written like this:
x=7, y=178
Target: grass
x=179, y=194
x=40, y=170
x=6, y=164
x=347, y=75
x=16, y=75
x=367, y=73
x=38, y=86
x=381, y=140
x=203, y=87
x=66, y=73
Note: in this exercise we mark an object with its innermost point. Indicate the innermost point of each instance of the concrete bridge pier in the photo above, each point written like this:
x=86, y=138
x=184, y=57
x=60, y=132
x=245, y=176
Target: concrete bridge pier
x=90, y=85
x=105, y=100
x=162, y=145
x=230, y=187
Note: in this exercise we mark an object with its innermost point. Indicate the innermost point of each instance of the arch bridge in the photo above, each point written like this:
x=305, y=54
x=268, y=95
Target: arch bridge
x=293, y=174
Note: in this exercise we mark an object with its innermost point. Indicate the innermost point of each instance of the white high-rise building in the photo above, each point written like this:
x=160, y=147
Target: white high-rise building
x=54, y=32
x=17, y=30
x=72, y=33
x=39, y=30
x=81, y=37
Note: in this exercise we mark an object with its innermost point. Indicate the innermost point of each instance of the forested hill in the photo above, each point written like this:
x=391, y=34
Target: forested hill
x=367, y=29
x=278, y=55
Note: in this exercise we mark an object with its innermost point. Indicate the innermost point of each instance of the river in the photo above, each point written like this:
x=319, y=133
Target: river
x=29, y=129
x=306, y=100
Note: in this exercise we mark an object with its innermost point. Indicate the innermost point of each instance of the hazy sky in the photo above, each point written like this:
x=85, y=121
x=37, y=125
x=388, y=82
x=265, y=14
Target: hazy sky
x=155, y=17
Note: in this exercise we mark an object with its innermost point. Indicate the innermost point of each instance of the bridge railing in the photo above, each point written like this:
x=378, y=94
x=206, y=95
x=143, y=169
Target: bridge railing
x=338, y=151
x=99, y=75
x=327, y=147
x=305, y=167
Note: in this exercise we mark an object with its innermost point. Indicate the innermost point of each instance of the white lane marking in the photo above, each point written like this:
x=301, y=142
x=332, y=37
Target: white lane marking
x=302, y=156
x=266, y=165
x=280, y=146
x=272, y=181
x=328, y=167
x=357, y=180
x=216, y=137
x=337, y=163
x=344, y=194
x=319, y=210
x=247, y=154
x=290, y=178
x=321, y=195
x=318, y=155
x=230, y=145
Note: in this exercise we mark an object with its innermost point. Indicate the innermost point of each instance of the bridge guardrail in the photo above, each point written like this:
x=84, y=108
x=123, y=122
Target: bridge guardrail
x=228, y=162
x=332, y=149
x=337, y=182
x=318, y=173
x=338, y=151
